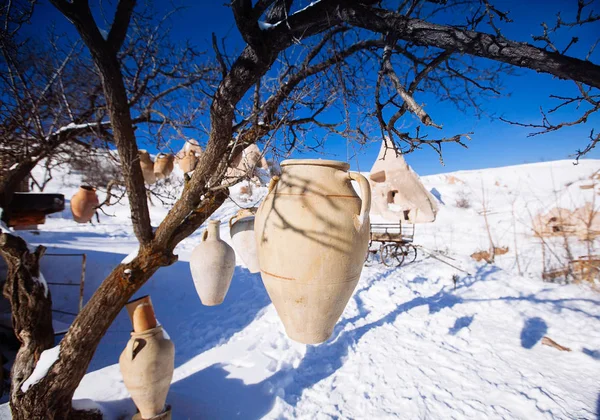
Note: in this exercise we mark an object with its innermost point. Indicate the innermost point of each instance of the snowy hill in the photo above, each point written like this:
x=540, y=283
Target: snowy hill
x=411, y=344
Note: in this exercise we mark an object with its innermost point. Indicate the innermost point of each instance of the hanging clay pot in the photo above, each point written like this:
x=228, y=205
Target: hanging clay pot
x=241, y=229
x=187, y=161
x=148, y=361
x=187, y=157
x=212, y=264
x=312, y=234
x=163, y=166
x=147, y=167
x=84, y=203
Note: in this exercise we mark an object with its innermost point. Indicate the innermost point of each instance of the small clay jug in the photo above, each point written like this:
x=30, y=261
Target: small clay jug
x=147, y=365
x=212, y=264
x=141, y=314
x=84, y=203
x=147, y=167
x=241, y=229
x=163, y=166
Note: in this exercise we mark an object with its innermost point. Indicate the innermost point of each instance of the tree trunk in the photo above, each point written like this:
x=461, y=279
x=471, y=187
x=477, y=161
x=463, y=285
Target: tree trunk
x=31, y=307
x=51, y=397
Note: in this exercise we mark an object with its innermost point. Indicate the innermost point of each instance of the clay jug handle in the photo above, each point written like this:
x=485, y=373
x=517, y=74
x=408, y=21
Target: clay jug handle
x=273, y=182
x=365, y=192
x=232, y=219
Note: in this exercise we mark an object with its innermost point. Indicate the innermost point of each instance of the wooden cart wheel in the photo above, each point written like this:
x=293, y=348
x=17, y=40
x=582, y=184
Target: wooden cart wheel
x=410, y=253
x=391, y=255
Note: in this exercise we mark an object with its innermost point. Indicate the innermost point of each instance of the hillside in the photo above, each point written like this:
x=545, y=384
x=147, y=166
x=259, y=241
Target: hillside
x=410, y=344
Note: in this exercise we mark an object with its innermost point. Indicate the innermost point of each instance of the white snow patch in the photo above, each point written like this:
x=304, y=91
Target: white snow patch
x=166, y=335
x=87, y=405
x=264, y=26
x=127, y=271
x=47, y=359
x=13, y=166
x=40, y=279
x=304, y=8
x=131, y=255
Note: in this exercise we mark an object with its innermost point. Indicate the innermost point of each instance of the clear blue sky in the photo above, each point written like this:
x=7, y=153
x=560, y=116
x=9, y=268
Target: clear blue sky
x=494, y=143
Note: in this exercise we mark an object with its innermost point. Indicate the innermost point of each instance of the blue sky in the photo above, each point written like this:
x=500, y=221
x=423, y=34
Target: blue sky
x=494, y=143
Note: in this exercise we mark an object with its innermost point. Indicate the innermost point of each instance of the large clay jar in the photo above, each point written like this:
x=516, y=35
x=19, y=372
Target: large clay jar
x=163, y=166
x=147, y=362
x=84, y=203
x=212, y=264
x=147, y=167
x=241, y=229
x=312, y=234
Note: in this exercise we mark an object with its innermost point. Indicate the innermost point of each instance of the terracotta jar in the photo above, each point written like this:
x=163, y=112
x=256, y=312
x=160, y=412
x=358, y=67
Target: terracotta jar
x=147, y=365
x=141, y=314
x=187, y=161
x=147, y=167
x=163, y=166
x=84, y=203
x=241, y=229
x=312, y=234
x=212, y=264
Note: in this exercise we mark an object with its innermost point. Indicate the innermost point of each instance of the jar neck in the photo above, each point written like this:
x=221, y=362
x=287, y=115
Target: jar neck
x=213, y=230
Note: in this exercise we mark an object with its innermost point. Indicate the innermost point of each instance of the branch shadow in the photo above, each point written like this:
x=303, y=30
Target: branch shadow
x=460, y=323
x=193, y=327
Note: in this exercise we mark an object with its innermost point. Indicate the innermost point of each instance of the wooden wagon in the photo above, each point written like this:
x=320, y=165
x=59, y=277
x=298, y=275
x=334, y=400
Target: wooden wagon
x=393, y=241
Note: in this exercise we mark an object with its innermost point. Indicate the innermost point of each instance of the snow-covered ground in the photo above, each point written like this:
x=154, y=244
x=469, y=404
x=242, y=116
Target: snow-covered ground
x=410, y=343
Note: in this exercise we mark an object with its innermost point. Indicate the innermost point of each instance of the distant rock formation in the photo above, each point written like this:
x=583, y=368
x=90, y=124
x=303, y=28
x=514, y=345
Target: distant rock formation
x=397, y=191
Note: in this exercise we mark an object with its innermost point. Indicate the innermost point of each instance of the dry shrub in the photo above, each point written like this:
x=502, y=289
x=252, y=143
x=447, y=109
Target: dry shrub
x=501, y=250
x=451, y=179
x=486, y=256
x=462, y=201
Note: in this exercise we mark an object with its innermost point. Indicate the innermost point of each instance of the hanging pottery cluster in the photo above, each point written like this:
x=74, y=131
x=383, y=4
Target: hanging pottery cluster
x=308, y=239
x=159, y=169
x=148, y=361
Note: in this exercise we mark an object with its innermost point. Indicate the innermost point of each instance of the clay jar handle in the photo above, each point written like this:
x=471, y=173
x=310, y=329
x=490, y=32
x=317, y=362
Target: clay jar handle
x=231, y=220
x=273, y=182
x=365, y=192
x=241, y=214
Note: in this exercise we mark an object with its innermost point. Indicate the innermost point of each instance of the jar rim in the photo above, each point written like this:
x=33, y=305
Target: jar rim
x=338, y=164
